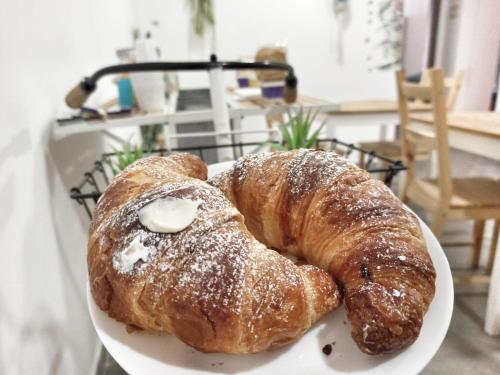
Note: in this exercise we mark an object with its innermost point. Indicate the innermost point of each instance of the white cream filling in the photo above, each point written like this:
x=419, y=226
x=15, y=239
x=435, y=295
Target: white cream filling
x=125, y=260
x=168, y=215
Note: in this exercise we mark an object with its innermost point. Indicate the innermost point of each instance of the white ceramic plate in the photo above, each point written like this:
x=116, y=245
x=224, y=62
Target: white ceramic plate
x=141, y=353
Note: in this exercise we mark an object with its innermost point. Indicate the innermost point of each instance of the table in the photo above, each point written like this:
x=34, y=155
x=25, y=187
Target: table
x=375, y=107
x=256, y=105
x=238, y=108
x=479, y=133
x=474, y=132
x=381, y=113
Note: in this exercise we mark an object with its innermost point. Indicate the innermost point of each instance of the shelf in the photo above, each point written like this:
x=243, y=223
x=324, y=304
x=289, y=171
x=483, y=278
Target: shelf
x=238, y=108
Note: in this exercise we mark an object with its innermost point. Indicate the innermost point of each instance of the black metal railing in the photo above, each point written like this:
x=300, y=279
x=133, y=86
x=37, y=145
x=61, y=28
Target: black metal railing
x=95, y=181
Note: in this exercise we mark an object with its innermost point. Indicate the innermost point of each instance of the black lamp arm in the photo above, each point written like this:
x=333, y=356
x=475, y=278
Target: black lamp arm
x=77, y=96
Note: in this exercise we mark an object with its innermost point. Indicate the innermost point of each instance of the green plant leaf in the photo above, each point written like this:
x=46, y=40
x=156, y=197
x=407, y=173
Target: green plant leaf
x=124, y=157
x=286, y=136
x=295, y=134
x=120, y=156
x=296, y=131
x=138, y=153
x=308, y=121
x=304, y=126
x=314, y=137
x=299, y=126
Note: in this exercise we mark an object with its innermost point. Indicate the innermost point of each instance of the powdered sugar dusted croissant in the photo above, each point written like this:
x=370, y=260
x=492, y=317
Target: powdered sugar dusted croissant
x=318, y=205
x=212, y=284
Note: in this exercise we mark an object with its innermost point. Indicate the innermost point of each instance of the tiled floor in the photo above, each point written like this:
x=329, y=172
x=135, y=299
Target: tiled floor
x=466, y=348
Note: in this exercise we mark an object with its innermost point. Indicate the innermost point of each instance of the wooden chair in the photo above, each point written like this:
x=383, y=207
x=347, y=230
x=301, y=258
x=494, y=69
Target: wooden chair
x=393, y=149
x=493, y=245
x=445, y=198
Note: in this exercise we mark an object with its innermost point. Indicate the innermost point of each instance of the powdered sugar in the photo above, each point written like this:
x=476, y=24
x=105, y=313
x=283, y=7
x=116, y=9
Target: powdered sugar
x=212, y=274
x=362, y=225
x=125, y=260
x=205, y=263
x=311, y=170
x=214, y=210
x=251, y=162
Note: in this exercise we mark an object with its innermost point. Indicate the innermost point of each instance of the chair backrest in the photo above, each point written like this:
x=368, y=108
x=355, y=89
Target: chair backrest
x=452, y=84
x=435, y=138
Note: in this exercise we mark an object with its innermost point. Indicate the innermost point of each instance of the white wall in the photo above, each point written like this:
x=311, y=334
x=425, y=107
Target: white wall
x=243, y=26
x=478, y=52
x=471, y=42
x=46, y=47
x=309, y=26
x=497, y=104
x=447, y=39
x=417, y=35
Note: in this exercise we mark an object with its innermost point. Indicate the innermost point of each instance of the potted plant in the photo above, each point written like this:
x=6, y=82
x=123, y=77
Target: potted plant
x=297, y=131
x=124, y=157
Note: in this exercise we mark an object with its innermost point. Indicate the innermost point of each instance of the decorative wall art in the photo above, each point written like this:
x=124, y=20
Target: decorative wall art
x=384, y=41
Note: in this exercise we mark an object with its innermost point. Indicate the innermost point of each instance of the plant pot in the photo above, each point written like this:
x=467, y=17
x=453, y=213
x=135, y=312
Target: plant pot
x=272, y=90
x=149, y=89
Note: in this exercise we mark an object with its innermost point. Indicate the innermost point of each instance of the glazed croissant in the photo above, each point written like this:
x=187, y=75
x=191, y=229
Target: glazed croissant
x=318, y=205
x=212, y=284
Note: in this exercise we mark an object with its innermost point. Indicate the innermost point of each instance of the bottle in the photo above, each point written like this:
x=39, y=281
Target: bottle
x=149, y=87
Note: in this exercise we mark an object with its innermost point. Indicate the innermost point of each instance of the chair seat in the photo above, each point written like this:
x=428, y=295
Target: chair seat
x=391, y=149
x=473, y=192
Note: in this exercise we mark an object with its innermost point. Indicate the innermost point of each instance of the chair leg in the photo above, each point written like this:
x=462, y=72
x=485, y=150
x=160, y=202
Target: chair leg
x=402, y=188
x=493, y=245
x=403, y=194
x=477, y=241
x=437, y=223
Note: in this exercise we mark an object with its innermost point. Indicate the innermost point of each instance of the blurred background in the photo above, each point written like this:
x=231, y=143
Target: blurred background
x=345, y=54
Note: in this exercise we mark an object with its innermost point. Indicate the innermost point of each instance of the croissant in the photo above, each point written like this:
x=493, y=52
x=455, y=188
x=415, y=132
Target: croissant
x=317, y=205
x=212, y=284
